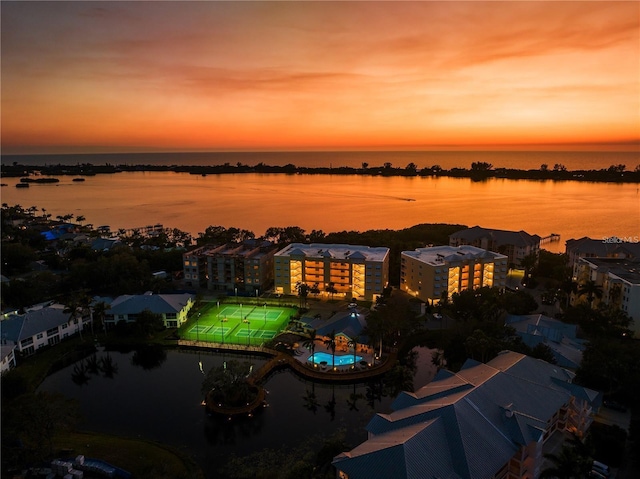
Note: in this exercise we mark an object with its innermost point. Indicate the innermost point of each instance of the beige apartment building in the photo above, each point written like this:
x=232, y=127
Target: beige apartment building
x=245, y=267
x=430, y=273
x=339, y=270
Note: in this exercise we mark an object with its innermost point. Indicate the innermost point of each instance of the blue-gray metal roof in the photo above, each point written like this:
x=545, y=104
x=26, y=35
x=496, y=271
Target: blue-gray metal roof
x=19, y=327
x=156, y=303
x=482, y=415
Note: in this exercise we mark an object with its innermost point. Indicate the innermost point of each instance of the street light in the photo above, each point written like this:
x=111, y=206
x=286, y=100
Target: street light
x=248, y=331
x=197, y=328
x=236, y=295
x=222, y=323
x=265, y=315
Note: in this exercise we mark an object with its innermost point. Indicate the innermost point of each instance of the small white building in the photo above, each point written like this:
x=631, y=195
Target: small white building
x=172, y=307
x=40, y=326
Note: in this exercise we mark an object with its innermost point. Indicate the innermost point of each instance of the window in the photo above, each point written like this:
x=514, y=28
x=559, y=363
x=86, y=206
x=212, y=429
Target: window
x=40, y=336
x=64, y=326
x=171, y=315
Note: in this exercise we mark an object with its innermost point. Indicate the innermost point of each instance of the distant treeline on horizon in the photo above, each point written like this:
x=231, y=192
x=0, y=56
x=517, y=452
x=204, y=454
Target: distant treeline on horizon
x=447, y=160
x=479, y=170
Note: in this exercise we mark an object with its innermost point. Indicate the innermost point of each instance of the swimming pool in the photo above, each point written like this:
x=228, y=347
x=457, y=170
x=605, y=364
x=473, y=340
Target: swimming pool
x=338, y=360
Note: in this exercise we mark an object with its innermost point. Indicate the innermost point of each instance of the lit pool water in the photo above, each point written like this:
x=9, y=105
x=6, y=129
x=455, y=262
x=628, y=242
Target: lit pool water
x=317, y=358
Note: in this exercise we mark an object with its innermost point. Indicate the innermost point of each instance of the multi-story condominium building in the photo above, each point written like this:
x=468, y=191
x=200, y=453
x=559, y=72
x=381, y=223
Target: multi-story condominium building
x=347, y=271
x=487, y=420
x=246, y=266
x=612, y=247
x=43, y=325
x=515, y=244
x=431, y=273
x=173, y=308
x=619, y=279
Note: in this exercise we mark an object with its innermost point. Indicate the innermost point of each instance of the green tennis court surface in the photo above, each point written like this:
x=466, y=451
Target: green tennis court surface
x=237, y=324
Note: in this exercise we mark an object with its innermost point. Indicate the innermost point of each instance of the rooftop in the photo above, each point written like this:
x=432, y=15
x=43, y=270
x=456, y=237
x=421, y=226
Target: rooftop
x=335, y=251
x=466, y=424
x=156, y=303
x=626, y=269
x=603, y=248
x=499, y=237
x=438, y=255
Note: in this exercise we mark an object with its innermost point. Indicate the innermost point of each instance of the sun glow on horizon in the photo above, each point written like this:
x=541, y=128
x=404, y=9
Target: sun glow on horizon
x=162, y=76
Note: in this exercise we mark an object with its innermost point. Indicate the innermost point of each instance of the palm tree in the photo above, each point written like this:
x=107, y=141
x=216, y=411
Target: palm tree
x=76, y=306
x=99, y=311
x=353, y=343
x=311, y=341
x=570, y=463
x=591, y=290
x=331, y=289
x=330, y=342
x=352, y=402
x=310, y=400
x=438, y=359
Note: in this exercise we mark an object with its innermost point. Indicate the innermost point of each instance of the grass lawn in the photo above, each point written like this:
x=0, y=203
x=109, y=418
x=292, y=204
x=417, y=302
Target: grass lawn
x=143, y=459
x=237, y=323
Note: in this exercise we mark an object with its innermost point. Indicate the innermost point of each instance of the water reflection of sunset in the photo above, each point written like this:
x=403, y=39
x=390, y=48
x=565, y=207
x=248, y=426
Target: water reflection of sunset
x=124, y=76
x=335, y=203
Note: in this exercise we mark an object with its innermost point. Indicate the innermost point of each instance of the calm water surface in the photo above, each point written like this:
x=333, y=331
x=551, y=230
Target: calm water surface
x=335, y=203
x=163, y=404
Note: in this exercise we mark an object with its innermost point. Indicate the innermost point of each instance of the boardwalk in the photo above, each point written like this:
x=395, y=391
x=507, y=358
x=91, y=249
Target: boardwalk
x=279, y=361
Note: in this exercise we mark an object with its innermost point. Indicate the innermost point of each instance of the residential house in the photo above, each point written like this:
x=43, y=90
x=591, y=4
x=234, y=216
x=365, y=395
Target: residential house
x=39, y=326
x=340, y=270
x=433, y=273
x=561, y=338
x=487, y=421
x=173, y=308
x=516, y=245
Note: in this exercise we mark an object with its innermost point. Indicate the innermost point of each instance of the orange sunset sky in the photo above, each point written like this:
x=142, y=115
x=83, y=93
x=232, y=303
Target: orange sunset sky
x=168, y=76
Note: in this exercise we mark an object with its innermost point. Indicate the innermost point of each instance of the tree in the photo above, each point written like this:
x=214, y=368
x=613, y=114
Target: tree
x=331, y=289
x=303, y=292
x=76, y=306
x=438, y=359
x=591, y=290
x=310, y=342
x=481, y=166
x=227, y=384
x=568, y=464
x=147, y=323
x=16, y=258
x=330, y=342
x=353, y=343
x=33, y=422
x=99, y=311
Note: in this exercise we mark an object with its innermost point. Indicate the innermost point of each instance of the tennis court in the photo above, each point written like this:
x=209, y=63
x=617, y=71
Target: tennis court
x=237, y=323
